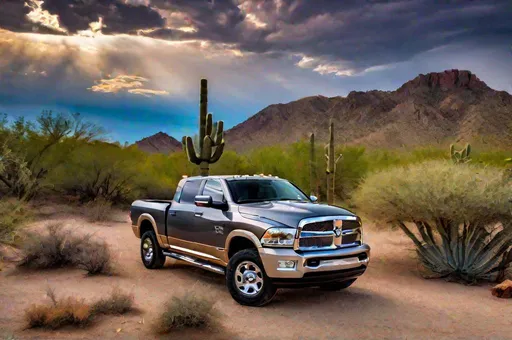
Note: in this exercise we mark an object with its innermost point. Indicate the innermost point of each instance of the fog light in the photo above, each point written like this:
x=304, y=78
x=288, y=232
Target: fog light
x=286, y=264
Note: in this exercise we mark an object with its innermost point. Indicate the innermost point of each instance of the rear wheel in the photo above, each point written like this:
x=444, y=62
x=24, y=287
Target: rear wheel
x=247, y=281
x=150, y=252
x=337, y=285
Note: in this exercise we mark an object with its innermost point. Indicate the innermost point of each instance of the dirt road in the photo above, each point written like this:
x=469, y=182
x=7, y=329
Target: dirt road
x=391, y=301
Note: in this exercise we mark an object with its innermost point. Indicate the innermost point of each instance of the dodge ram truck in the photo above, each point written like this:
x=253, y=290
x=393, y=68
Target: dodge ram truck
x=261, y=232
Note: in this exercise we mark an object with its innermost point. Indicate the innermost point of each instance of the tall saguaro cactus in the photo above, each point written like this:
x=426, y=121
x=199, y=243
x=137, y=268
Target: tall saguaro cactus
x=460, y=156
x=329, y=156
x=210, y=145
x=312, y=166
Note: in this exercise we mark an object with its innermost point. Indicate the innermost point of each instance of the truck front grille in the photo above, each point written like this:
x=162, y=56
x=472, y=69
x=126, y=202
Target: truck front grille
x=319, y=226
x=320, y=233
x=316, y=242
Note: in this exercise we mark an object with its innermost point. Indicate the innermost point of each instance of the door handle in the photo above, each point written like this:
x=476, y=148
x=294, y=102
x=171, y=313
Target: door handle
x=198, y=214
x=172, y=213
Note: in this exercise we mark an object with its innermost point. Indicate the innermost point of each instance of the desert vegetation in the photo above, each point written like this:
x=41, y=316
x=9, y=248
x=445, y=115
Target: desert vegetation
x=60, y=247
x=459, y=215
x=187, y=311
x=63, y=155
x=59, y=312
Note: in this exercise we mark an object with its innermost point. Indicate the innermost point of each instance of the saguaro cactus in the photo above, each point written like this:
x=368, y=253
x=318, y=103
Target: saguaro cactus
x=460, y=156
x=329, y=156
x=312, y=166
x=210, y=144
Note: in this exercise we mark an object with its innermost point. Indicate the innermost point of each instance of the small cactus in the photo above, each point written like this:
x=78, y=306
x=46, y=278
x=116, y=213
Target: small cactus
x=460, y=156
x=312, y=165
x=210, y=136
x=329, y=157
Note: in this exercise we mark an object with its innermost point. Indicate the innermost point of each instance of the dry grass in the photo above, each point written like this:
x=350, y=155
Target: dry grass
x=58, y=313
x=188, y=311
x=59, y=247
x=74, y=311
x=98, y=210
x=117, y=303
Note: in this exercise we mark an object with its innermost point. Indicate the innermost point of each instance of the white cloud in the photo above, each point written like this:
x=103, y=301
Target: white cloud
x=40, y=16
x=128, y=83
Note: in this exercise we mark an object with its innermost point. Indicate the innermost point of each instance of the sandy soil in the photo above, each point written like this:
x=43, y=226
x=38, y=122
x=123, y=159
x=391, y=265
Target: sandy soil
x=391, y=301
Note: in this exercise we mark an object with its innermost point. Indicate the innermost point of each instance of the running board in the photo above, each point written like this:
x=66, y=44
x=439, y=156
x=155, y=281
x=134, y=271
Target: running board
x=196, y=262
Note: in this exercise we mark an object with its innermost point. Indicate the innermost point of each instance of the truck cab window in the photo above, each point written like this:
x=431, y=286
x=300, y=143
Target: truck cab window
x=189, y=192
x=213, y=188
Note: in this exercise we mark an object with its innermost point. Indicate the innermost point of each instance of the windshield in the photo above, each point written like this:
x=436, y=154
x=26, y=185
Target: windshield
x=259, y=190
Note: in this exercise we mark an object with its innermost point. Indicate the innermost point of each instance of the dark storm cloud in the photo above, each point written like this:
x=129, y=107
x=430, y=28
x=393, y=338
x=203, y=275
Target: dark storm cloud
x=361, y=34
x=76, y=15
x=334, y=35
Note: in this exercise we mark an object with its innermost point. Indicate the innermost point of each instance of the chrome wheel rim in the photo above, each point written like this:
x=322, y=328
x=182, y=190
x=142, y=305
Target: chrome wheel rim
x=248, y=278
x=147, y=249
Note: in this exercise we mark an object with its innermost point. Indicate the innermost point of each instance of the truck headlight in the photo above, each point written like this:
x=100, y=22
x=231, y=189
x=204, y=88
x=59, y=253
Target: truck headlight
x=279, y=237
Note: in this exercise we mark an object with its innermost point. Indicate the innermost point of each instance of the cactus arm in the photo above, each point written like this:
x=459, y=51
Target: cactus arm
x=206, y=151
x=184, y=143
x=219, y=133
x=218, y=152
x=209, y=125
x=191, y=152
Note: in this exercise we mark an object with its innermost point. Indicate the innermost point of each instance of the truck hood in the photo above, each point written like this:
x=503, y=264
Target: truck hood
x=288, y=212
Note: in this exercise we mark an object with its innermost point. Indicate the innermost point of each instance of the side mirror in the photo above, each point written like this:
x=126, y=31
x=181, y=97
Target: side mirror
x=313, y=198
x=203, y=201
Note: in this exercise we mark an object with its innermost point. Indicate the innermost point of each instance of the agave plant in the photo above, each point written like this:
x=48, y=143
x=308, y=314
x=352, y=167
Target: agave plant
x=458, y=216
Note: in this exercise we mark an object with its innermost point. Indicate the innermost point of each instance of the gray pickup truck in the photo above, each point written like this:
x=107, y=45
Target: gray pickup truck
x=261, y=232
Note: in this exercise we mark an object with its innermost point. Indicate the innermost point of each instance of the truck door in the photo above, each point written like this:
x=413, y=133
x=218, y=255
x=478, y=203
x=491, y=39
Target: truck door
x=180, y=218
x=213, y=224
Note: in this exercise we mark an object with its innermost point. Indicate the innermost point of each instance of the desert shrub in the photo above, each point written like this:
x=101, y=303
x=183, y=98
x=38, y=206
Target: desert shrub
x=13, y=215
x=462, y=215
x=188, y=311
x=99, y=170
x=59, y=247
x=118, y=302
x=58, y=313
x=99, y=210
x=74, y=311
x=92, y=255
x=30, y=150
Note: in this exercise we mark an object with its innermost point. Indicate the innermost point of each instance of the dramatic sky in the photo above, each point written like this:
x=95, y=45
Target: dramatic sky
x=134, y=66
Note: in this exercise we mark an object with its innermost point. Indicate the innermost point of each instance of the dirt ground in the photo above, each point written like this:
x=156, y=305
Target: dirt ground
x=390, y=301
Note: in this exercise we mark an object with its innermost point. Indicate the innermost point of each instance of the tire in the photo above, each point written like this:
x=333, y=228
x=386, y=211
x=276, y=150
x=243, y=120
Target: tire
x=156, y=259
x=258, y=287
x=337, y=285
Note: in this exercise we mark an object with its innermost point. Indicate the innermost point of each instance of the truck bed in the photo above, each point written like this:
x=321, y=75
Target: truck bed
x=156, y=208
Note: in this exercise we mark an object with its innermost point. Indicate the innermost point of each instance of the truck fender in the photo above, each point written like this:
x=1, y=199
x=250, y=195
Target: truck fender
x=242, y=233
x=148, y=217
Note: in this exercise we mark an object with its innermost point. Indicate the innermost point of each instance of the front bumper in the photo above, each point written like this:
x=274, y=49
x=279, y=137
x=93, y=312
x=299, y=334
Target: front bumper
x=315, y=266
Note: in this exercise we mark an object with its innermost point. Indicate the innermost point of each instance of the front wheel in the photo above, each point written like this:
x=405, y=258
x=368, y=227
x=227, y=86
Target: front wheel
x=247, y=281
x=338, y=285
x=150, y=252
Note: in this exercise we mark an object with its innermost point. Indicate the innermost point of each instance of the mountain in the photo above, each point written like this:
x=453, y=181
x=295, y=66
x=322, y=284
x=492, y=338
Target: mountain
x=450, y=106
x=159, y=143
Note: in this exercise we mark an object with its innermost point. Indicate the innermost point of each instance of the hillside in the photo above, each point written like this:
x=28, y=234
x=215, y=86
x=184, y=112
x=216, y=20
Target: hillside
x=159, y=143
x=448, y=106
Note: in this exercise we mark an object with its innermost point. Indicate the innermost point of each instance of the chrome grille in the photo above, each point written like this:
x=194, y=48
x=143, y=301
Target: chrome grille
x=319, y=233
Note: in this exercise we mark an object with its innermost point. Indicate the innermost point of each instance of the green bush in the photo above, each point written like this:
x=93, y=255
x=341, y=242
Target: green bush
x=13, y=216
x=462, y=214
x=188, y=311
